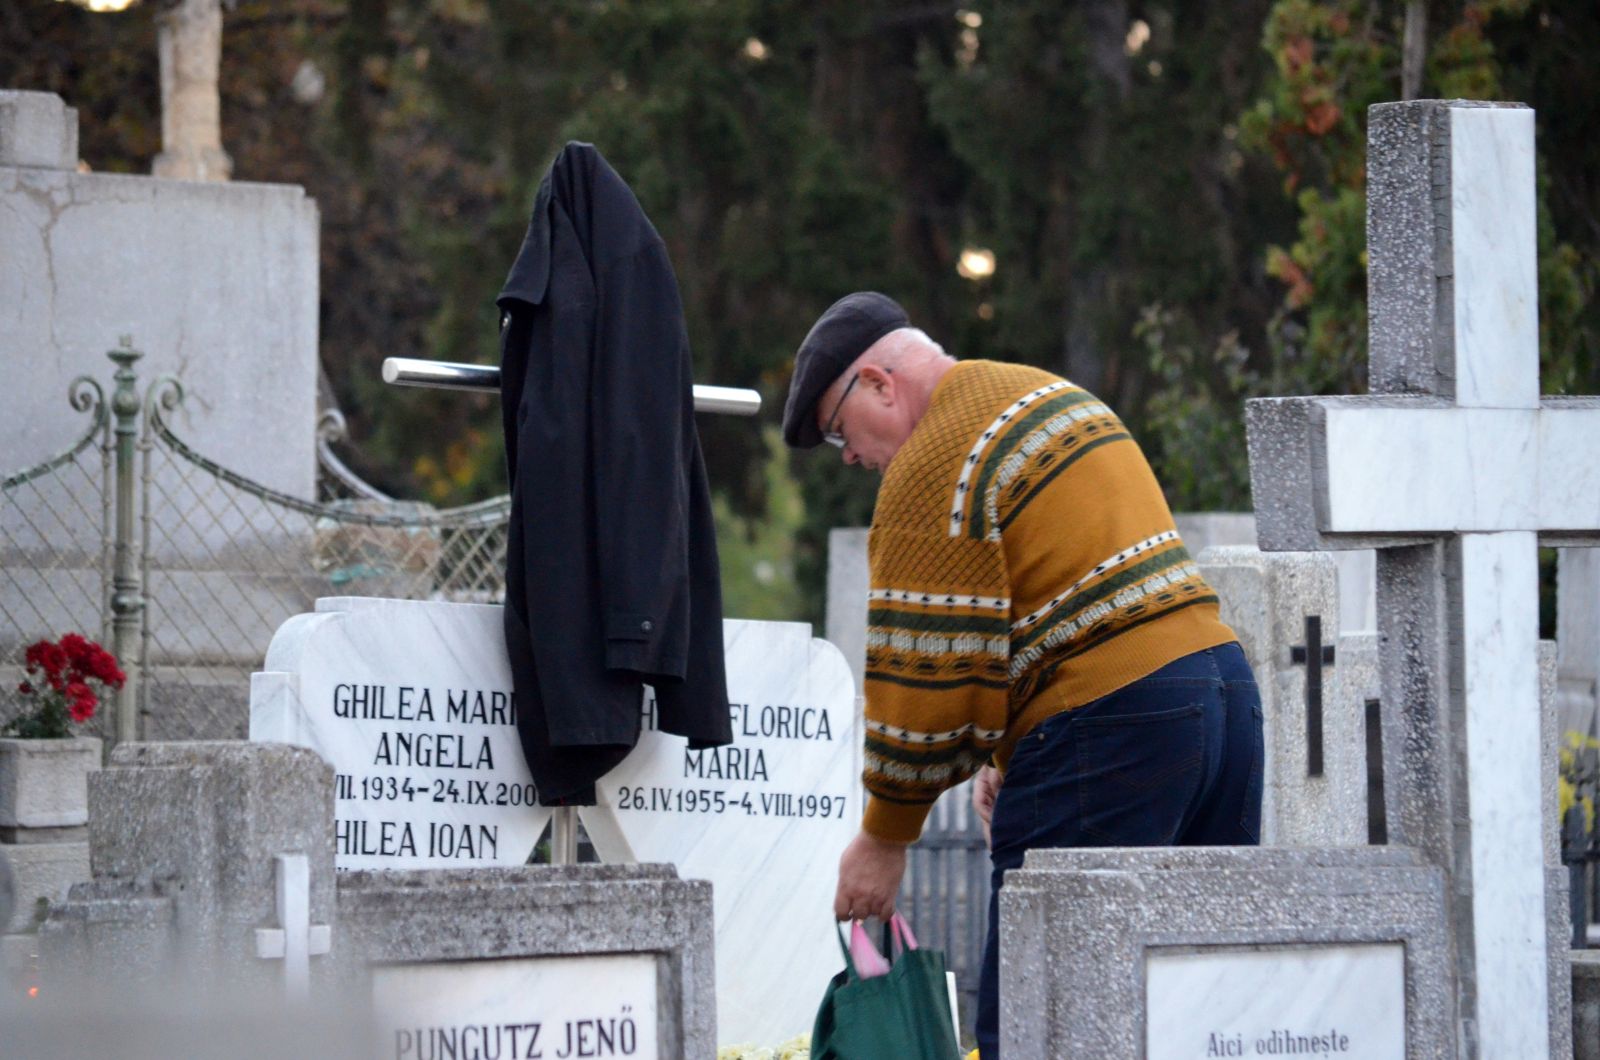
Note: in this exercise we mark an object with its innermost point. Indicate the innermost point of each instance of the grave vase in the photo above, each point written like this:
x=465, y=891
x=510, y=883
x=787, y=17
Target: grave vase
x=45, y=783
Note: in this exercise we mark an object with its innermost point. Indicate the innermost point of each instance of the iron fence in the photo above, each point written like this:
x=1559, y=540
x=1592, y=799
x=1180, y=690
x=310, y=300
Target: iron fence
x=186, y=568
x=1580, y=838
x=945, y=892
x=56, y=544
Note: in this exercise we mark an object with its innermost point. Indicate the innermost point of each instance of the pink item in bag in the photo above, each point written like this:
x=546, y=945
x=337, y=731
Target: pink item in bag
x=868, y=961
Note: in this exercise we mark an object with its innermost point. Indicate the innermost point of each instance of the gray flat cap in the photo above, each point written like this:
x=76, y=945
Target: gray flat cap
x=839, y=336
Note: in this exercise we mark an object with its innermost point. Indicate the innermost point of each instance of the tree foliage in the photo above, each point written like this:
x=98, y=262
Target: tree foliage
x=1173, y=194
x=1333, y=59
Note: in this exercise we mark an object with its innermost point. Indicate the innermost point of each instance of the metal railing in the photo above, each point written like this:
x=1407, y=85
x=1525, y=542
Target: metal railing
x=1580, y=838
x=185, y=568
x=945, y=892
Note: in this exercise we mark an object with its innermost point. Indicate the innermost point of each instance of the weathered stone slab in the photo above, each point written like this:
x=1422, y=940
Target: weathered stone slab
x=37, y=130
x=1267, y=599
x=1079, y=929
x=183, y=840
x=473, y=917
x=1578, y=637
x=43, y=874
x=849, y=580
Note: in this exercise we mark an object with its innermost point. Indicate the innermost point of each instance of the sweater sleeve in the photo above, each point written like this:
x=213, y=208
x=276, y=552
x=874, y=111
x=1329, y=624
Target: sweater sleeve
x=938, y=647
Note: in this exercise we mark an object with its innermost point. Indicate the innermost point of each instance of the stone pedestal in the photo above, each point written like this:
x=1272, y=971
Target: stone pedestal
x=44, y=849
x=45, y=784
x=185, y=839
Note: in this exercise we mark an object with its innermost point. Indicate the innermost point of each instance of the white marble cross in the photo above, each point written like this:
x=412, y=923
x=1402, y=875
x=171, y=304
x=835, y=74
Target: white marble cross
x=1454, y=447
x=296, y=940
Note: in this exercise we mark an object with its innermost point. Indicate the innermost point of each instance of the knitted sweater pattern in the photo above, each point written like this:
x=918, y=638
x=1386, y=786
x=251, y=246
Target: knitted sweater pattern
x=1023, y=562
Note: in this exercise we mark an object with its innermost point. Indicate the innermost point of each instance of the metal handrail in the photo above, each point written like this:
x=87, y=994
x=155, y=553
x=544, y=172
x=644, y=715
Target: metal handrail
x=448, y=375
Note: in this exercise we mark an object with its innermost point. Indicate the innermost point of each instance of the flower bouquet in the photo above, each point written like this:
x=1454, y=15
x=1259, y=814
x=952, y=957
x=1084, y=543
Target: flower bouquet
x=60, y=688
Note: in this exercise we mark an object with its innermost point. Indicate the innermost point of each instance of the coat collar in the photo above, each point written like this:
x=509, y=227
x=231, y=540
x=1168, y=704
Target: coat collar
x=530, y=273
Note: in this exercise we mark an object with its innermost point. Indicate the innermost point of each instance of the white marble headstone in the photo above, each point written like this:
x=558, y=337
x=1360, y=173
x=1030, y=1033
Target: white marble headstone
x=411, y=704
x=536, y=1006
x=1321, y=1000
x=765, y=819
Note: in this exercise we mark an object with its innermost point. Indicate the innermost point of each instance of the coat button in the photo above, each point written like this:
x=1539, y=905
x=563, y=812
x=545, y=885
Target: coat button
x=646, y=626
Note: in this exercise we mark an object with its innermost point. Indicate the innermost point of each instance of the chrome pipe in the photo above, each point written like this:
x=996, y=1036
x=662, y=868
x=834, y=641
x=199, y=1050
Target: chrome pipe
x=445, y=375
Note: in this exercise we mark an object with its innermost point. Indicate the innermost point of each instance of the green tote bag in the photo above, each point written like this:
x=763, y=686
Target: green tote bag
x=901, y=1015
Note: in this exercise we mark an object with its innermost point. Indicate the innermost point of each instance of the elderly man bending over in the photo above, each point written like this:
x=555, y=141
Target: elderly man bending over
x=1033, y=618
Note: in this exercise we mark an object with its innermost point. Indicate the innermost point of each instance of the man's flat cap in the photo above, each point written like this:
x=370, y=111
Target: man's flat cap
x=839, y=336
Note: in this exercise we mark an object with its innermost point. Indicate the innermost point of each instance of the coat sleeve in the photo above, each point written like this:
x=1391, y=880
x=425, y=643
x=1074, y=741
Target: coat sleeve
x=642, y=404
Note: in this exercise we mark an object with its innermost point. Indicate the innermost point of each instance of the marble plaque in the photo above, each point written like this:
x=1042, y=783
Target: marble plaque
x=410, y=702
x=764, y=819
x=1311, y=1000
x=526, y=1007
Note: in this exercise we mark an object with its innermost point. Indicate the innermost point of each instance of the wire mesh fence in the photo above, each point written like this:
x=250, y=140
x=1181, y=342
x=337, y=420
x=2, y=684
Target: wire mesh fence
x=55, y=545
x=222, y=561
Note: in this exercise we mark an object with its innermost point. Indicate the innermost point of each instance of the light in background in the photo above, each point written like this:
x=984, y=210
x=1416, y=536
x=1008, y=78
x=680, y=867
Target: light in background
x=976, y=264
x=102, y=5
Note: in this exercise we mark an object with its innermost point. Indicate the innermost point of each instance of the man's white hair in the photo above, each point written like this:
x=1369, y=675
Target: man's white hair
x=906, y=343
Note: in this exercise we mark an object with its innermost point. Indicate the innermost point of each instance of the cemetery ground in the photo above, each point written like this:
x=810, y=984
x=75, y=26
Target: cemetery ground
x=313, y=795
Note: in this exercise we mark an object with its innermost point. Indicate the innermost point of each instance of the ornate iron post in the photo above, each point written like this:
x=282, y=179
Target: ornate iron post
x=127, y=602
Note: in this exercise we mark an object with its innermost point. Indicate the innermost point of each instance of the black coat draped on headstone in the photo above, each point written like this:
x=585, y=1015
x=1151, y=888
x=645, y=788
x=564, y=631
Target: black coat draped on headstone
x=611, y=569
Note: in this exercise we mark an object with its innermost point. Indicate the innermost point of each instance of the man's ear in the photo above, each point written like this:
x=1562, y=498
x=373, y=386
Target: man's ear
x=879, y=382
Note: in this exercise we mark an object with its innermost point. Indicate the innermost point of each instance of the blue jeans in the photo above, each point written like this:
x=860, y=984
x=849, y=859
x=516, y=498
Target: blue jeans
x=1174, y=759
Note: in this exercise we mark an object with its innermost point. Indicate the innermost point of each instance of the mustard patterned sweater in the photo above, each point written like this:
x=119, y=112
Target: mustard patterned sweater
x=1023, y=562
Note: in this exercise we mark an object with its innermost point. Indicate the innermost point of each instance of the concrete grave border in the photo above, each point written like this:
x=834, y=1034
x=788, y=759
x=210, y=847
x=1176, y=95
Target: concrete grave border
x=388, y=917
x=1097, y=910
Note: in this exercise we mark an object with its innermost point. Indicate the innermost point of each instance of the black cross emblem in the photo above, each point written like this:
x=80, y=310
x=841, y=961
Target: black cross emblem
x=1313, y=655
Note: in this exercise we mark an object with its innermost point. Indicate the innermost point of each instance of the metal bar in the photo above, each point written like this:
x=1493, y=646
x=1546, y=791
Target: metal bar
x=564, y=836
x=446, y=375
x=127, y=601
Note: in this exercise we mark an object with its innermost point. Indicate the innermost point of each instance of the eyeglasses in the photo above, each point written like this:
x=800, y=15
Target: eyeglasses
x=829, y=434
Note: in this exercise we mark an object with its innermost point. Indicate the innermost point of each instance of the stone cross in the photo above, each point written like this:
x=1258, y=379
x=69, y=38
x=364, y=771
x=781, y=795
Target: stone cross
x=190, y=42
x=1456, y=470
x=296, y=940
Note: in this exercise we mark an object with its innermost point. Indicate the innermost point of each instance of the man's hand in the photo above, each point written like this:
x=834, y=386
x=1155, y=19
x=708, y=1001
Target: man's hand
x=985, y=787
x=869, y=878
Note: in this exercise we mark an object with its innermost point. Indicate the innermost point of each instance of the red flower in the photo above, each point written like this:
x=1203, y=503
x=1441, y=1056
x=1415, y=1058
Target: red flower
x=62, y=676
x=78, y=650
x=102, y=665
x=52, y=659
